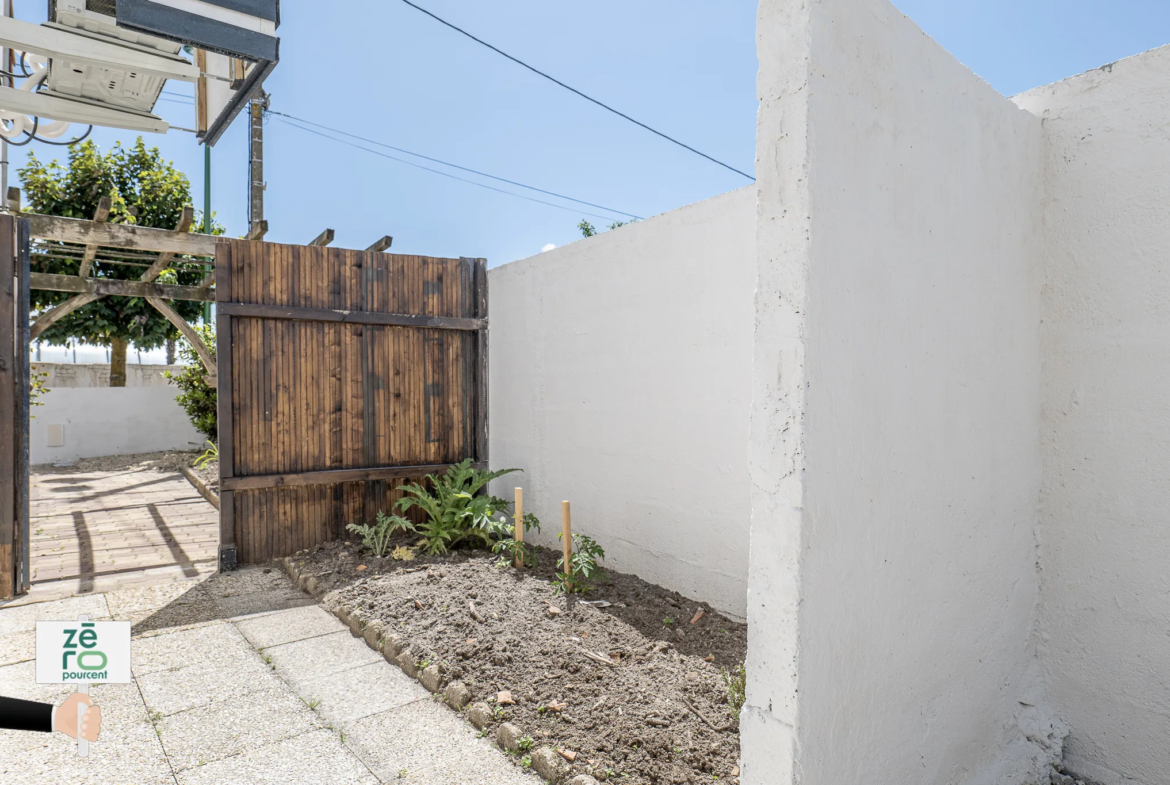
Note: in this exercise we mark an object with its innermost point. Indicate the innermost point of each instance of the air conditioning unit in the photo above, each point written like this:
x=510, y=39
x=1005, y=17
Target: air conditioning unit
x=104, y=84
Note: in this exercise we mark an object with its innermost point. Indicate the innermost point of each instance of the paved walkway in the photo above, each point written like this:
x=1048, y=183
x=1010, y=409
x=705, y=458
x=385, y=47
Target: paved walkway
x=88, y=527
x=241, y=678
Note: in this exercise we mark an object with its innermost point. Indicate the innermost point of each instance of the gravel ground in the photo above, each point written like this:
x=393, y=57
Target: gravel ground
x=632, y=689
x=166, y=462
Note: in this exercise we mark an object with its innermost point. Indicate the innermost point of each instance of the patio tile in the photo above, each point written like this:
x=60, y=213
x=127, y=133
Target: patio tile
x=360, y=692
x=290, y=625
x=316, y=758
x=313, y=658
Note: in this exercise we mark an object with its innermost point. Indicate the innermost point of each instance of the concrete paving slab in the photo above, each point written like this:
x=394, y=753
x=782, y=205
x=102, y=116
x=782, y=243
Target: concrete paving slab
x=24, y=617
x=360, y=692
x=263, y=601
x=312, y=658
x=171, y=691
x=247, y=580
x=18, y=647
x=234, y=726
x=130, y=754
x=286, y=626
x=433, y=745
x=316, y=758
x=181, y=648
x=20, y=681
x=137, y=599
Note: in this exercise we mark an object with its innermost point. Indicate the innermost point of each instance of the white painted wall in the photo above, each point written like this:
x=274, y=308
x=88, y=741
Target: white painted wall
x=895, y=455
x=620, y=380
x=1104, y=533
x=103, y=420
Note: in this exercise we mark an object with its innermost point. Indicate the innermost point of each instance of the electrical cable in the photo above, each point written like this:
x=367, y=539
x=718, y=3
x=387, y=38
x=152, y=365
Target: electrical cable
x=575, y=90
x=31, y=134
x=454, y=166
x=444, y=174
x=81, y=138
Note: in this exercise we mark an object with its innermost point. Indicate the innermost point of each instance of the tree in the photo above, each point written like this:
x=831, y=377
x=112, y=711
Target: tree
x=143, y=190
x=588, y=230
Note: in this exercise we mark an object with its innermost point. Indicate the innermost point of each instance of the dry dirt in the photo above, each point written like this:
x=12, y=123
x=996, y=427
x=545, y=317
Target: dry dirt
x=170, y=461
x=633, y=688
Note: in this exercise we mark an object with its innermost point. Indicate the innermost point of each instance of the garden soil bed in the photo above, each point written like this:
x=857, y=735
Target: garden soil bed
x=631, y=688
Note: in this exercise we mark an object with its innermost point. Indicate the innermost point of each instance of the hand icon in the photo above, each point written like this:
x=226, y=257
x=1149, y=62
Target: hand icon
x=65, y=717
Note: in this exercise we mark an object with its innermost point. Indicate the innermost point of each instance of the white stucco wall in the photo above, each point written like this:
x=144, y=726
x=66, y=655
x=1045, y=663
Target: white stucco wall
x=620, y=380
x=103, y=420
x=1105, y=531
x=895, y=453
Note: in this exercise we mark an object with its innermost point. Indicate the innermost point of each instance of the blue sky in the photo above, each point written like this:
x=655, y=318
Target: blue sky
x=381, y=69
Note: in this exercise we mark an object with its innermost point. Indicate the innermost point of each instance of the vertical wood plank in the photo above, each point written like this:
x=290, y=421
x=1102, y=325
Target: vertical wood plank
x=481, y=412
x=23, y=307
x=225, y=406
x=9, y=391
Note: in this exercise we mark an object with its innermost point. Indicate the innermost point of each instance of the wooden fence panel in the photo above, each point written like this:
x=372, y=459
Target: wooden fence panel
x=342, y=375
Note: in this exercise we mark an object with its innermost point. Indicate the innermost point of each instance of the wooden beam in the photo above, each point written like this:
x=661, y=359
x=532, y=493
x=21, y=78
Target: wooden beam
x=351, y=317
x=164, y=258
x=138, y=238
x=225, y=405
x=59, y=312
x=381, y=245
x=102, y=286
x=323, y=239
x=9, y=386
x=100, y=215
x=13, y=197
x=258, y=231
x=331, y=476
x=188, y=332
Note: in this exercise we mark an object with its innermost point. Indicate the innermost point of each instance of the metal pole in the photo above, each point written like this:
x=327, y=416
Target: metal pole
x=207, y=214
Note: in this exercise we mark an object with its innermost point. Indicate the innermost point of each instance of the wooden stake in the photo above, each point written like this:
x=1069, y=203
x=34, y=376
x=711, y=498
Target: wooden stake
x=519, y=533
x=567, y=544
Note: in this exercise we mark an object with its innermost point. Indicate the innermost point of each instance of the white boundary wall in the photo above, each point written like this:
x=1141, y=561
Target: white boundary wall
x=1104, y=534
x=100, y=420
x=620, y=380
x=895, y=453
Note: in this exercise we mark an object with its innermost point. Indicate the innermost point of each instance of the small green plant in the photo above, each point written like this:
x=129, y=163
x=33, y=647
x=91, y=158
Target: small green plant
x=314, y=703
x=498, y=711
x=37, y=388
x=526, y=761
x=583, y=562
x=209, y=455
x=377, y=537
x=669, y=620
x=455, y=509
x=736, y=682
x=402, y=553
x=525, y=743
x=196, y=397
x=507, y=546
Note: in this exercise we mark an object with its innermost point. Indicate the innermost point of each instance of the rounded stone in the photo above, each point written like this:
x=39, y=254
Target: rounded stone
x=406, y=662
x=550, y=765
x=356, y=622
x=431, y=678
x=312, y=585
x=508, y=737
x=391, y=646
x=457, y=695
x=480, y=715
x=373, y=634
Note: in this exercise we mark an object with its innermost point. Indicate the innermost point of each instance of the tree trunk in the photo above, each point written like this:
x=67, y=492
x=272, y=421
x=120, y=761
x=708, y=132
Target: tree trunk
x=170, y=351
x=118, y=348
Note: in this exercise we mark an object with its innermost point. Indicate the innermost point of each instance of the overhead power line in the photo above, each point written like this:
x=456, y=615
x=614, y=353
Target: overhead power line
x=575, y=90
x=284, y=119
x=455, y=166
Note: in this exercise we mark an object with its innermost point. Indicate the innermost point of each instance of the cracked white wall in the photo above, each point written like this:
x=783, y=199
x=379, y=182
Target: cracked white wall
x=895, y=457
x=1105, y=543
x=620, y=380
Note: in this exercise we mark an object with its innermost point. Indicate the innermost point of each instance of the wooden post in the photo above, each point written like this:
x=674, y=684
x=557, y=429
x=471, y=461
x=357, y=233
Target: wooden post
x=567, y=544
x=518, y=535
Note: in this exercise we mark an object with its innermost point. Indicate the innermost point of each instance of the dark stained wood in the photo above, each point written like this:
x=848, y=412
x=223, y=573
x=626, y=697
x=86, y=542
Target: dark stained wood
x=9, y=392
x=333, y=476
x=481, y=412
x=139, y=238
x=110, y=286
x=353, y=317
x=21, y=538
x=225, y=414
x=352, y=373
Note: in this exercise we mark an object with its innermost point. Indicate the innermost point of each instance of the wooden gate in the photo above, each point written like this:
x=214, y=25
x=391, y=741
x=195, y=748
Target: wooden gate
x=14, y=403
x=342, y=374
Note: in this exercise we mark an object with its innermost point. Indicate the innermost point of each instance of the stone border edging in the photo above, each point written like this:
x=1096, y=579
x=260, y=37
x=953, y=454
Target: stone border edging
x=200, y=486
x=546, y=761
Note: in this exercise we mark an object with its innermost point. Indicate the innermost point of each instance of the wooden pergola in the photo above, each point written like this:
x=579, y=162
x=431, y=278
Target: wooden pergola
x=153, y=250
